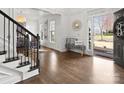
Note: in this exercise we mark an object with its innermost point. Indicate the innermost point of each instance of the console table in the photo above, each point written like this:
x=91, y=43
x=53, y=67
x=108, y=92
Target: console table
x=72, y=43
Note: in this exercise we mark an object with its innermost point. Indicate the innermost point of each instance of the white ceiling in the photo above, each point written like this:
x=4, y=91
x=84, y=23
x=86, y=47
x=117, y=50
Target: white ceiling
x=36, y=13
x=74, y=10
x=29, y=13
x=42, y=11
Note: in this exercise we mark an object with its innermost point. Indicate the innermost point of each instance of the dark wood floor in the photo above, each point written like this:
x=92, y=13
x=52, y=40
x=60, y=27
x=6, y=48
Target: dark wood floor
x=72, y=68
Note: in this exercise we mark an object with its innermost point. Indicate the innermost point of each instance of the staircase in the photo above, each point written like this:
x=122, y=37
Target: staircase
x=18, y=60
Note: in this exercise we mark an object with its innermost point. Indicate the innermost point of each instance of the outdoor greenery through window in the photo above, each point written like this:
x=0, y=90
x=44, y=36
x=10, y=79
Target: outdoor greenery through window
x=52, y=31
x=103, y=33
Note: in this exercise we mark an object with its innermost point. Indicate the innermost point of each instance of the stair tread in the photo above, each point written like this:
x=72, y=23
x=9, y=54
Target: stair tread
x=2, y=52
x=25, y=64
x=33, y=68
x=11, y=76
x=12, y=63
x=11, y=59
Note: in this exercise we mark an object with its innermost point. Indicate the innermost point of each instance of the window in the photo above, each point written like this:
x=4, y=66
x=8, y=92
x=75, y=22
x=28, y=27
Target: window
x=103, y=33
x=42, y=32
x=52, y=31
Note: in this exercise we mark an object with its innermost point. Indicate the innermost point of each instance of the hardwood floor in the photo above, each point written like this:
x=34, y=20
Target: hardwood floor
x=72, y=68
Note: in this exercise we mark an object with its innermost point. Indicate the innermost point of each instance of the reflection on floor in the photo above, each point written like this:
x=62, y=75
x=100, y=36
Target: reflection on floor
x=72, y=68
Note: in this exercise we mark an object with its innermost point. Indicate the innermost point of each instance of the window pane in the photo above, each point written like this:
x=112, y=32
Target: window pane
x=52, y=31
x=52, y=25
x=103, y=32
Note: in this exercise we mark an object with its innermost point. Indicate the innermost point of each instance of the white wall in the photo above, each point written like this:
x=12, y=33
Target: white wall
x=31, y=18
x=64, y=27
x=82, y=33
x=84, y=16
x=59, y=32
x=10, y=12
x=32, y=25
x=63, y=32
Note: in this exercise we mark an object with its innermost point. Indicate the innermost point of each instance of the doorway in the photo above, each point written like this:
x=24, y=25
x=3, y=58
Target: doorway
x=102, y=32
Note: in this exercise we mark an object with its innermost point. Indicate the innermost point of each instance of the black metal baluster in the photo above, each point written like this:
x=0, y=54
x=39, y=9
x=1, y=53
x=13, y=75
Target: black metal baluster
x=13, y=43
x=31, y=55
x=34, y=53
x=8, y=39
x=4, y=34
x=17, y=42
x=24, y=49
x=21, y=61
x=33, y=49
x=38, y=62
x=28, y=45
